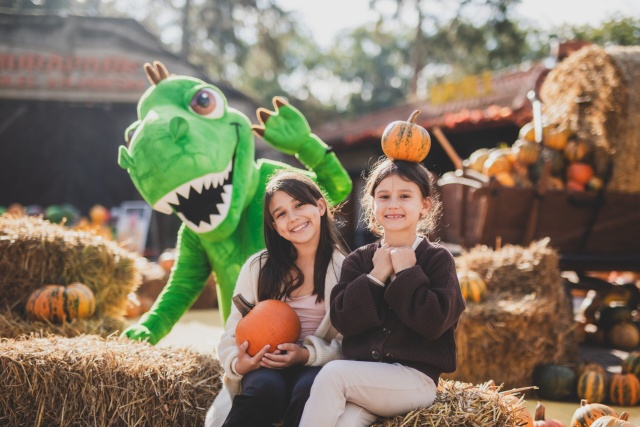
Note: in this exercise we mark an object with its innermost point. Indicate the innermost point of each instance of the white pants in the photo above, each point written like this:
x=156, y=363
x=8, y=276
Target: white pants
x=349, y=393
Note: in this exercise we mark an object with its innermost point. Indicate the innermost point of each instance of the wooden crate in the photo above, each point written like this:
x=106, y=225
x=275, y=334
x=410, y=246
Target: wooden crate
x=478, y=212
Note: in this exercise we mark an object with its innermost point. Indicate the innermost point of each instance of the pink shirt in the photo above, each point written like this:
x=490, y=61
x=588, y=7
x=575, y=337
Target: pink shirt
x=309, y=312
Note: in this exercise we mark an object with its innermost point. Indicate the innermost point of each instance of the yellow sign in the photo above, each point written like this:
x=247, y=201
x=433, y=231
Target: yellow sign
x=469, y=87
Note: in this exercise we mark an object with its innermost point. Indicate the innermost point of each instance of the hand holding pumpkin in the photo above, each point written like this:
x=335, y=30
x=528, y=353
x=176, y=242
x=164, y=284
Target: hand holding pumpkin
x=289, y=354
x=247, y=363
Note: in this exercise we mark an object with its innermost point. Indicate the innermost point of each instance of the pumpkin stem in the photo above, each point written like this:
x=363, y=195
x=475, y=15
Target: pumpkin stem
x=539, y=414
x=624, y=416
x=243, y=306
x=414, y=116
x=583, y=402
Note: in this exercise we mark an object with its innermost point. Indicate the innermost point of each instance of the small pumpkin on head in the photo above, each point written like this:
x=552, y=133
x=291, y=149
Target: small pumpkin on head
x=406, y=140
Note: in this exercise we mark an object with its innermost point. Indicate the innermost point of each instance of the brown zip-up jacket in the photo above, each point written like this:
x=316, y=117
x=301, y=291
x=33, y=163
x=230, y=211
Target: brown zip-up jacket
x=411, y=320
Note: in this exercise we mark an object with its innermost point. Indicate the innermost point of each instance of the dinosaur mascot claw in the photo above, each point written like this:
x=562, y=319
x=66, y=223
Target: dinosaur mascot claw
x=191, y=154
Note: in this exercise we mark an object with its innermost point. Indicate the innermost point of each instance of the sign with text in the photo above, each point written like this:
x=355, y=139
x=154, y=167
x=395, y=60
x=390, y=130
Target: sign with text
x=79, y=76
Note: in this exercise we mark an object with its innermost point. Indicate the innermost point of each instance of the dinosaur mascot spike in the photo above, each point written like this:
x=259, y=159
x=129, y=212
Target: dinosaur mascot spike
x=191, y=154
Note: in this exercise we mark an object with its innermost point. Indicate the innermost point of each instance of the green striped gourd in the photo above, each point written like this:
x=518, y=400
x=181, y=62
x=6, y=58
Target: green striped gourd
x=631, y=365
x=624, y=390
x=473, y=288
x=591, y=386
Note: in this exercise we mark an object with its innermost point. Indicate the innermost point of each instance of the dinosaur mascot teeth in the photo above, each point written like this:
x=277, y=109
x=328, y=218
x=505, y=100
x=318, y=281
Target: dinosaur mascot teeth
x=191, y=154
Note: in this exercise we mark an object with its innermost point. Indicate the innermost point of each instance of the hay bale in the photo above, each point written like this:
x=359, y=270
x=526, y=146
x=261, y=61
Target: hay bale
x=466, y=405
x=13, y=325
x=91, y=381
x=526, y=319
x=37, y=252
x=596, y=92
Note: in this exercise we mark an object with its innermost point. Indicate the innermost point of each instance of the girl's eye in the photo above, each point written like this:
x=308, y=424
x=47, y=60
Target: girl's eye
x=207, y=103
x=299, y=205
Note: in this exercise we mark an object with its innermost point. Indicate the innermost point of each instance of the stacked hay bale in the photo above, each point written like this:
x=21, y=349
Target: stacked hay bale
x=466, y=405
x=596, y=93
x=95, y=381
x=36, y=252
x=525, y=320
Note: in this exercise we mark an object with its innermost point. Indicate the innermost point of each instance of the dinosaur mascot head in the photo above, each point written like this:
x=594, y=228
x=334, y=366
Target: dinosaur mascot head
x=191, y=154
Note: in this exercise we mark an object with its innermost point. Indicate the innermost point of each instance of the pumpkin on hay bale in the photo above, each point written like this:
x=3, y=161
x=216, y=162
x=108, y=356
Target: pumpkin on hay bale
x=596, y=92
x=89, y=380
x=526, y=319
x=37, y=252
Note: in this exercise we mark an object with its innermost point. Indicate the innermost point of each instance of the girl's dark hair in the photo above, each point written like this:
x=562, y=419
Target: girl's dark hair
x=409, y=171
x=279, y=275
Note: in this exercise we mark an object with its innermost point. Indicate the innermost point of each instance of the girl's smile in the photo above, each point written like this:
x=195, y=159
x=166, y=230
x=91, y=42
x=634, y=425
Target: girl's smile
x=398, y=206
x=296, y=221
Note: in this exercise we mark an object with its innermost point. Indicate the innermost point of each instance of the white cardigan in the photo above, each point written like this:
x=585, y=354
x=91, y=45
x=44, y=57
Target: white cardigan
x=324, y=345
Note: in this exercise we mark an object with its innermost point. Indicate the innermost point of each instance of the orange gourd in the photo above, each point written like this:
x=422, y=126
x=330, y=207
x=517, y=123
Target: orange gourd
x=406, y=140
x=587, y=413
x=579, y=172
x=526, y=152
x=539, y=419
x=473, y=288
x=59, y=304
x=624, y=390
x=577, y=151
x=556, y=137
x=270, y=322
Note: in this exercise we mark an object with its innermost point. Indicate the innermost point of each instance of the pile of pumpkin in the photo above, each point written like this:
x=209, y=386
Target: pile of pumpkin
x=590, y=382
x=587, y=415
x=607, y=318
x=571, y=161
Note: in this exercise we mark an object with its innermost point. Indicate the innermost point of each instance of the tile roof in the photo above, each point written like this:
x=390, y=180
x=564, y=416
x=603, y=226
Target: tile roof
x=506, y=104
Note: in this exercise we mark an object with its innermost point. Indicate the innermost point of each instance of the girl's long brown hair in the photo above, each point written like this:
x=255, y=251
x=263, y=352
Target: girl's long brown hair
x=279, y=275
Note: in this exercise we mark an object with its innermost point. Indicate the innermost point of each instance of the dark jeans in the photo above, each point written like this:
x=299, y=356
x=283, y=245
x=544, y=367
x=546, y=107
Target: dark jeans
x=269, y=395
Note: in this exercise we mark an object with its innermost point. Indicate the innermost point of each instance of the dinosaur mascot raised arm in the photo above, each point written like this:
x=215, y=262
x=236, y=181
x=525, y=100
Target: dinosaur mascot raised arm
x=190, y=154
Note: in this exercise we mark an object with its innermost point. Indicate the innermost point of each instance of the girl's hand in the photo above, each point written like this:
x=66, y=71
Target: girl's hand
x=402, y=257
x=382, y=266
x=287, y=355
x=247, y=363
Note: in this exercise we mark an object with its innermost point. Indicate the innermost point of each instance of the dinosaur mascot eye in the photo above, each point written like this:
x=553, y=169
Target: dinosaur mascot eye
x=207, y=103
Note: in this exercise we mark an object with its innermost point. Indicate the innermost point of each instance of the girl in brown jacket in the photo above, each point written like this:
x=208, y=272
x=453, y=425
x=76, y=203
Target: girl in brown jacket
x=397, y=305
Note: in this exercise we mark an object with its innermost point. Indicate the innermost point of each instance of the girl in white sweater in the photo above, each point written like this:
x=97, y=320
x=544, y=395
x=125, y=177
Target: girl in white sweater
x=300, y=266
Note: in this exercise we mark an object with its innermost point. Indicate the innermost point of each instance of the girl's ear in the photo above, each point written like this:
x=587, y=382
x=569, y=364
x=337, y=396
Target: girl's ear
x=426, y=206
x=322, y=205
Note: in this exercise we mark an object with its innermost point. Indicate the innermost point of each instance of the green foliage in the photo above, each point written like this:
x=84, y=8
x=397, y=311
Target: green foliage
x=615, y=31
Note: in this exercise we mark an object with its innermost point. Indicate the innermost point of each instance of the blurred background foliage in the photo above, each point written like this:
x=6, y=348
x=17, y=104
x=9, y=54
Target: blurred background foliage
x=261, y=49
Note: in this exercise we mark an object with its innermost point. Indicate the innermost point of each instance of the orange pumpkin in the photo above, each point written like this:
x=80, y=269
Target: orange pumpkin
x=270, y=322
x=539, y=419
x=406, y=140
x=579, y=172
x=591, y=385
x=556, y=137
x=611, y=421
x=473, y=288
x=527, y=132
x=624, y=390
x=59, y=304
x=526, y=152
x=477, y=158
x=577, y=151
x=587, y=413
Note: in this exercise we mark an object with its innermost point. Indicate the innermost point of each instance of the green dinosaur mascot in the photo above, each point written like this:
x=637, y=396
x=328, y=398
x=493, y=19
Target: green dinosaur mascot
x=191, y=154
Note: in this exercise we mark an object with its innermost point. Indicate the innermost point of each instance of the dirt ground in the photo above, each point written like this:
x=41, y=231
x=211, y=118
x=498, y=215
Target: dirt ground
x=201, y=330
